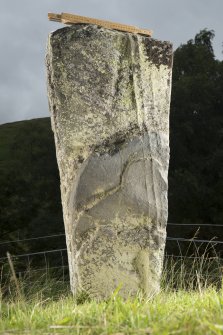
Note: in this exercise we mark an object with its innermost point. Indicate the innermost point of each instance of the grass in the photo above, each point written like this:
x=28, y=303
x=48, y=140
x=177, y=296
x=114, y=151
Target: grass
x=181, y=312
x=190, y=302
x=177, y=312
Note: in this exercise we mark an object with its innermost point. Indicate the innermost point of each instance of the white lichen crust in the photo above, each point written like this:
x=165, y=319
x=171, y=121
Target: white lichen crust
x=109, y=96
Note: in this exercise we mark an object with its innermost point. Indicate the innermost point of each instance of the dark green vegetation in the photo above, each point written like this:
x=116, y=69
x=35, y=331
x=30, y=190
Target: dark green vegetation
x=196, y=134
x=30, y=196
x=196, y=139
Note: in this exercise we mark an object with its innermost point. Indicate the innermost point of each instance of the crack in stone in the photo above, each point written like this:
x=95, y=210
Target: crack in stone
x=97, y=198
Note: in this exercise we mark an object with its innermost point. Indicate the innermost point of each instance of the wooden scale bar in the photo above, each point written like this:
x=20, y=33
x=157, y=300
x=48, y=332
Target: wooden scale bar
x=73, y=19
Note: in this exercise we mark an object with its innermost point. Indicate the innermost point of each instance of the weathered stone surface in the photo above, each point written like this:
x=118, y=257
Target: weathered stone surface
x=109, y=95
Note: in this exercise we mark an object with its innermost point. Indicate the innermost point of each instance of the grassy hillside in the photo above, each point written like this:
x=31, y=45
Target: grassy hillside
x=11, y=135
x=30, y=202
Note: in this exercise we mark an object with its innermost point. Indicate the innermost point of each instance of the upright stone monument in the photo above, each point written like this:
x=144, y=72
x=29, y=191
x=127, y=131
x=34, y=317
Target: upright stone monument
x=109, y=97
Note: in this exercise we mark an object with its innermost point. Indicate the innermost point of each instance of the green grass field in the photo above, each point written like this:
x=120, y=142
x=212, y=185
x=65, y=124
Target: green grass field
x=168, y=313
x=189, y=303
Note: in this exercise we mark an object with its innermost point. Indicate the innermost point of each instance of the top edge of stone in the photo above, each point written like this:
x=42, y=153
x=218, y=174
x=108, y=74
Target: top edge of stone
x=84, y=26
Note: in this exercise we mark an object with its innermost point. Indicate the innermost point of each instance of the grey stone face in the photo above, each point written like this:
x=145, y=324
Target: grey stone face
x=109, y=96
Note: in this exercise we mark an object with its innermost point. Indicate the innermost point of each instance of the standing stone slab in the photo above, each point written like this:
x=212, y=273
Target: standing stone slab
x=109, y=96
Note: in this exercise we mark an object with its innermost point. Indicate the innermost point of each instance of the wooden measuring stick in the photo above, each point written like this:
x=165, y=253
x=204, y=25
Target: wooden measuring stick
x=73, y=19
